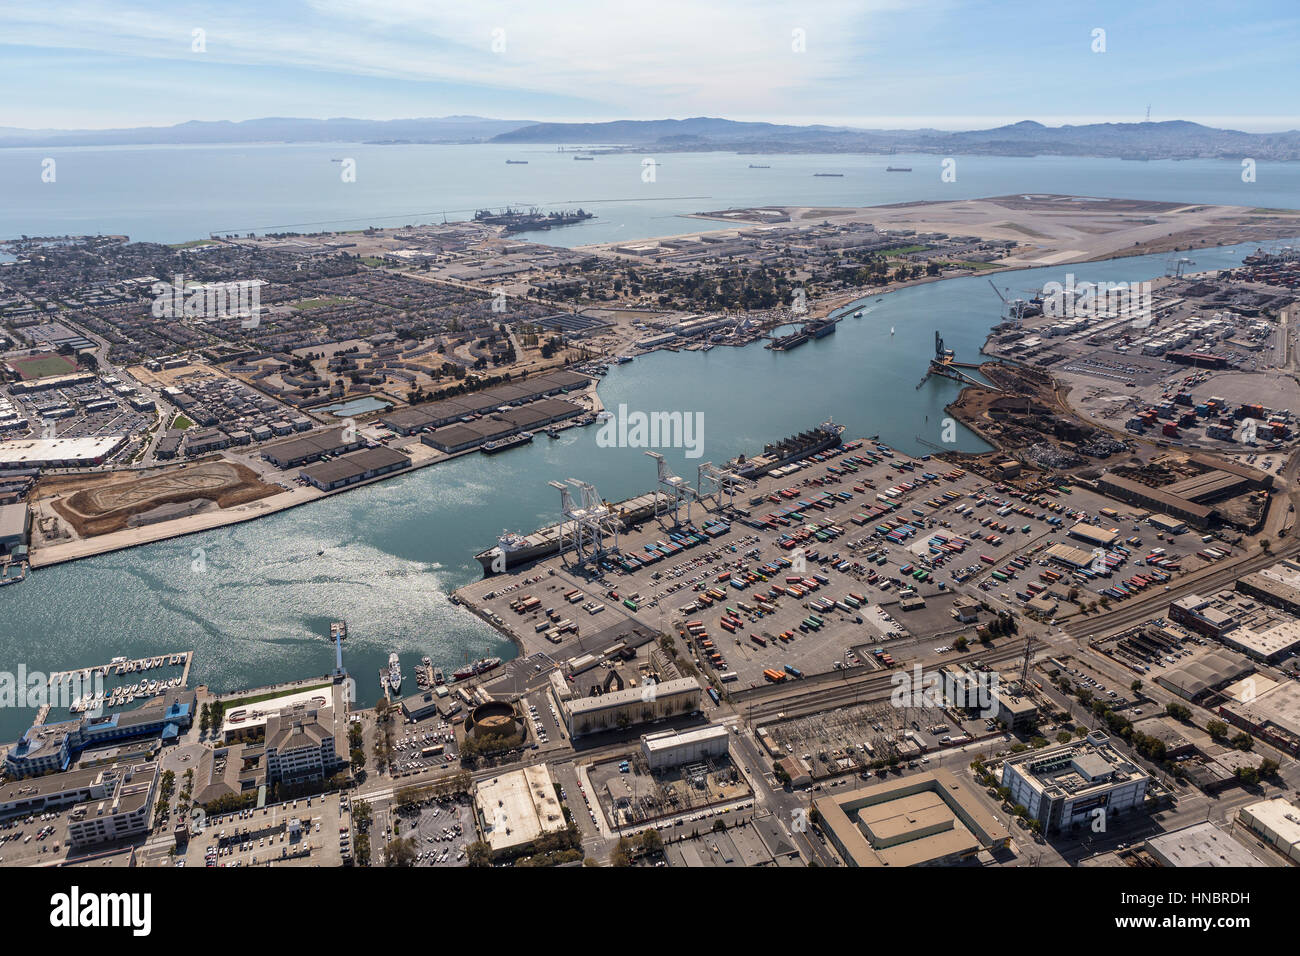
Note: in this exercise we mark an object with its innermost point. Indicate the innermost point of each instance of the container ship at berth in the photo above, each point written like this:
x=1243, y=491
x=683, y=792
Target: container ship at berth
x=826, y=435
x=513, y=550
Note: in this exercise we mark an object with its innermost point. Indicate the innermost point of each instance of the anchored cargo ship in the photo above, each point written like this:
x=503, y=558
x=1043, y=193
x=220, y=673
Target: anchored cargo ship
x=480, y=666
x=810, y=330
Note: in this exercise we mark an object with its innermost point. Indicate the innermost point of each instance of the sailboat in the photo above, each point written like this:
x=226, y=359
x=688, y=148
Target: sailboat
x=891, y=330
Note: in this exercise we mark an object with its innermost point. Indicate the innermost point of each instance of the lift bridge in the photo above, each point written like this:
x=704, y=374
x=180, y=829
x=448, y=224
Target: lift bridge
x=588, y=523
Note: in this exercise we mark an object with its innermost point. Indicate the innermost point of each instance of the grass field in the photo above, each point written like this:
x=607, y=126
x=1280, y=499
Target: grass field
x=181, y=422
x=247, y=701
x=43, y=366
x=308, y=304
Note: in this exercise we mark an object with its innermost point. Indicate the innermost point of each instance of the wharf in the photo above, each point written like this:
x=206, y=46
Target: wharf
x=664, y=594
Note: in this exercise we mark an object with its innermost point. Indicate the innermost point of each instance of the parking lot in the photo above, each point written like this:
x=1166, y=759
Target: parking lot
x=442, y=831
x=35, y=839
x=266, y=836
x=423, y=745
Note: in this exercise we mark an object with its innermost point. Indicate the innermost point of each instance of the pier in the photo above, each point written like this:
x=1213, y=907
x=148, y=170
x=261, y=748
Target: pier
x=121, y=667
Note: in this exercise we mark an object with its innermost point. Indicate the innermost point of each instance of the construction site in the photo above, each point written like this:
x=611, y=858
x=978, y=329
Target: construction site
x=99, y=504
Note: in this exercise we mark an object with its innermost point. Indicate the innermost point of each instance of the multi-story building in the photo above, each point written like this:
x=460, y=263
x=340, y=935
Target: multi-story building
x=1064, y=787
x=305, y=743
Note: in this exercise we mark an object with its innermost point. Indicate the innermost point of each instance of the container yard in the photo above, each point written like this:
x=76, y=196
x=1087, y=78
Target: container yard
x=838, y=561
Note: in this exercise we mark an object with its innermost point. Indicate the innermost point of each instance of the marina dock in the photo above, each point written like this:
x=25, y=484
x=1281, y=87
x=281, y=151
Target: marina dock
x=120, y=667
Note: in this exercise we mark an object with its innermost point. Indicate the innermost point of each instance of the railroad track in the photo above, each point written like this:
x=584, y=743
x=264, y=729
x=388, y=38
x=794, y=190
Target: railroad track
x=1132, y=613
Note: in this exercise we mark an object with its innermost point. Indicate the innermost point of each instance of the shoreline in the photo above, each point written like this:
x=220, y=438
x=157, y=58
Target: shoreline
x=65, y=552
x=263, y=507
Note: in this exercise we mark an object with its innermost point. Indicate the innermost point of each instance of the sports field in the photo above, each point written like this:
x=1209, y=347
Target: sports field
x=42, y=366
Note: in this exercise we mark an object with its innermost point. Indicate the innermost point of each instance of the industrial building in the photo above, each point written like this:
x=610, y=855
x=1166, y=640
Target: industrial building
x=354, y=467
x=15, y=522
x=1097, y=537
x=1156, y=499
x=1269, y=646
x=1277, y=822
x=311, y=446
x=408, y=421
x=1202, y=844
x=1196, y=613
x=1202, y=676
x=635, y=705
x=670, y=748
x=1276, y=586
x=502, y=424
x=1063, y=787
x=1167, y=524
x=516, y=808
x=928, y=819
x=58, y=452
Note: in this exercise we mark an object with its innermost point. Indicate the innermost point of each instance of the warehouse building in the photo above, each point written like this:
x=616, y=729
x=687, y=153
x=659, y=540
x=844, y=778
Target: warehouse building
x=1201, y=844
x=408, y=421
x=1064, y=787
x=1156, y=499
x=312, y=446
x=467, y=435
x=1269, y=646
x=1197, y=614
x=1272, y=586
x=1277, y=822
x=670, y=748
x=58, y=452
x=928, y=819
x=635, y=705
x=15, y=522
x=354, y=467
x=1167, y=524
x=515, y=809
x=1097, y=537
x=1069, y=556
x=1203, y=676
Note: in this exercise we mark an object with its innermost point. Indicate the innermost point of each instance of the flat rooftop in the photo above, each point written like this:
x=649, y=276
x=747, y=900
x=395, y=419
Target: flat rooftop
x=256, y=715
x=912, y=821
x=1203, y=844
x=518, y=807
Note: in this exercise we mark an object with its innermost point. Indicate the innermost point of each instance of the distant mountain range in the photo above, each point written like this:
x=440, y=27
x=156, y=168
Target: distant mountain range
x=446, y=129
x=1174, y=139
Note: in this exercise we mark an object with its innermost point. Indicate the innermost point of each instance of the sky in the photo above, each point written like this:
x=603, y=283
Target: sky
x=948, y=64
